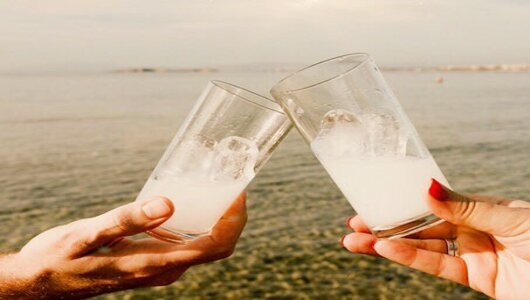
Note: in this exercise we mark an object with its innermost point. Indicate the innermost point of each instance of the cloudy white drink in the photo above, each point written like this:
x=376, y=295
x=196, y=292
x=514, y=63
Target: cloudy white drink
x=366, y=155
x=202, y=178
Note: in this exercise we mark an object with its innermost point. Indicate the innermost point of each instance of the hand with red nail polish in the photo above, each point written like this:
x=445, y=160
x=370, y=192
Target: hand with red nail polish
x=492, y=235
x=94, y=256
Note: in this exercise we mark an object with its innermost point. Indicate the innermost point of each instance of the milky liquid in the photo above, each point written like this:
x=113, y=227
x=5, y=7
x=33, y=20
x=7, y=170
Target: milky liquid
x=199, y=204
x=385, y=191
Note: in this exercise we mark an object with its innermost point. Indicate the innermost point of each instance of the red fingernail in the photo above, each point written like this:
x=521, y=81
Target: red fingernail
x=437, y=191
x=342, y=241
x=348, y=222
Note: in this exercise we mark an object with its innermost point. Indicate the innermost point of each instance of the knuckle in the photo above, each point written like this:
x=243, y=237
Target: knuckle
x=466, y=210
x=216, y=251
x=78, y=240
x=149, y=267
x=156, y=263
x=121, y=221
x=70, y=237
x=78, y=245
x=421, y=244
x=66, y=233
x=131, y=272
x=224, y=251
x=440, y=266
x=410, y=259
x=66, y=236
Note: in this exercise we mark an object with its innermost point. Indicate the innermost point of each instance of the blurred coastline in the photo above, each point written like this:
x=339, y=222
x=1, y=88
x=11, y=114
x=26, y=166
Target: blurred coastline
x=280, y=68
x=515, y=68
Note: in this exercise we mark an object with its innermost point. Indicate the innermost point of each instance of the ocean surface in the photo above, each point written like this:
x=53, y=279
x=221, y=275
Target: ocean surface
x=76, y=146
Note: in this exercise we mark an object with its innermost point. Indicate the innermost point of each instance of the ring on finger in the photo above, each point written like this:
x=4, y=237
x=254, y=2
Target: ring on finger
x=452, y=247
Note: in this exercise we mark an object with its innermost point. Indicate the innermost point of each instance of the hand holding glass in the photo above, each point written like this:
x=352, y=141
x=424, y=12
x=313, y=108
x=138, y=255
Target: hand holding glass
x=357, y=129
x=228, y=136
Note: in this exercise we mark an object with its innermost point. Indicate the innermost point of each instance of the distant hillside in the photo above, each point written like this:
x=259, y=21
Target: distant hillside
x=294, y=67
x=166, y=70
x=465, y=68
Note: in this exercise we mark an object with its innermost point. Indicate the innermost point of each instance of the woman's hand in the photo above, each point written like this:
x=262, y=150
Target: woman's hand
x=93, y=256
x=492, y=234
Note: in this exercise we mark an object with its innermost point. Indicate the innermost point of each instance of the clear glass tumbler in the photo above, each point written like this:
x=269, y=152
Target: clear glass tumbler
x=227, y=137
x=359, y=132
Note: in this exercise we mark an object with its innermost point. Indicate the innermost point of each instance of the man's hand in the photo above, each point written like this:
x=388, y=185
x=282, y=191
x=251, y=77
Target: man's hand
x=93, y=256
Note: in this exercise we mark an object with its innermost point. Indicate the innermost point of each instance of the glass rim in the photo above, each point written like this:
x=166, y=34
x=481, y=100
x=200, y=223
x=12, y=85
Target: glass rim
x=234, y=89
x=365, y=57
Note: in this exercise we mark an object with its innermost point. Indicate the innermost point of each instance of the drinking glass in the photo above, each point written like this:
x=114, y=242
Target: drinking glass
x=361, y=135
x=227, y=137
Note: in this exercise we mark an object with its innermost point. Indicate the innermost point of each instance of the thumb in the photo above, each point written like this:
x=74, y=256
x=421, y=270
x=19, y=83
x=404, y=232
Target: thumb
x=489, y=217
x=122, y=221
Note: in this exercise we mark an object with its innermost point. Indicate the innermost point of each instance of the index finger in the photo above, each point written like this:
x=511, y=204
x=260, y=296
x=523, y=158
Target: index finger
x=159, y=255
x=227, y=231
x=438, y=264
x=219, y=244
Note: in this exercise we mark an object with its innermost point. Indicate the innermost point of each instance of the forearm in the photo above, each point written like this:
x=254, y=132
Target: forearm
x=14, y=285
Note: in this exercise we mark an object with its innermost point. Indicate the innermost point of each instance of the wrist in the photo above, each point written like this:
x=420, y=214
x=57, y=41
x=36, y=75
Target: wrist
x=18, y=279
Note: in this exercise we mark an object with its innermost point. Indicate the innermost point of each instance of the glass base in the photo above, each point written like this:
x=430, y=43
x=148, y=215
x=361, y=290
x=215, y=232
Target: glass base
x=173, y=236
x=408, y=227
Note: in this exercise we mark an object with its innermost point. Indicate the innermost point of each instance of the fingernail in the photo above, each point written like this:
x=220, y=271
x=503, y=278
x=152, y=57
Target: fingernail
x=342, y=241
x=156, y=208
x=348, y=222
x=437, y=191
x=377, y=245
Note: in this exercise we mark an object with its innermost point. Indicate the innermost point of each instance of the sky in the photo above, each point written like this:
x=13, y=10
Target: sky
x=111, y=34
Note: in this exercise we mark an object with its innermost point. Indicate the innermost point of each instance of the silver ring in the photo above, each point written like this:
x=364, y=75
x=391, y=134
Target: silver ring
x=452, y=247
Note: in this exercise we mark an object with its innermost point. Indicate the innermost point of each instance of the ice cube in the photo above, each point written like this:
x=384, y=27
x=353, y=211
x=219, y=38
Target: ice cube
x=234, y=159
x=341, y=134
x=337, y=116
x=192, y=157
x=383, y=134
